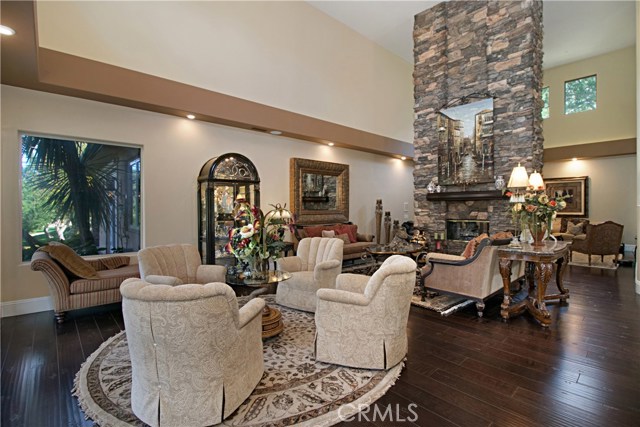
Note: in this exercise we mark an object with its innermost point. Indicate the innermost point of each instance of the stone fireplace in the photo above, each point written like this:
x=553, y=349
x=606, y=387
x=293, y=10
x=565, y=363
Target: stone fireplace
x=464, y=48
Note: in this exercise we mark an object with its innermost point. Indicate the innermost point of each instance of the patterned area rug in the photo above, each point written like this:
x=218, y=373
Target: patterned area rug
x=582, y=260
x=294, y=390
x=443, y=304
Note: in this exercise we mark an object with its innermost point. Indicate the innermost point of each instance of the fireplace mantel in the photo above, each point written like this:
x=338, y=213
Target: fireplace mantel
x=466, y=195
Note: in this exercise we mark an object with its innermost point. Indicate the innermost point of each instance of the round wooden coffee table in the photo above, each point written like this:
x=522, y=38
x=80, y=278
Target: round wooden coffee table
x=272, y=323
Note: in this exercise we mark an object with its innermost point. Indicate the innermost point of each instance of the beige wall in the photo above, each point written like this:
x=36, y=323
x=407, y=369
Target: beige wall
x=611, y=186
x=615, y=115
x=288, y=55
x=173, y=151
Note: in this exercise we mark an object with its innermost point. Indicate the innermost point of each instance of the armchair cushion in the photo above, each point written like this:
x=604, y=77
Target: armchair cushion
x=156, y=279
x=104, y=280
x=70, y=260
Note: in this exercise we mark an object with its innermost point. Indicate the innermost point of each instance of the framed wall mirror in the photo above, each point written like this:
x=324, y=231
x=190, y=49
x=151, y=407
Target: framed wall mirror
x=319, y=191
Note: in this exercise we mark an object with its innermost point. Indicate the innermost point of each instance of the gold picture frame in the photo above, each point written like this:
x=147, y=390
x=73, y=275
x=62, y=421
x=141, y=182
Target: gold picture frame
x=318, y=191
x=576, y=191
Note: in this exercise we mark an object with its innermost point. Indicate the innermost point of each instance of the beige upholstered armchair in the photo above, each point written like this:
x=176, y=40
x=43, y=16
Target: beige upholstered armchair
x=477, y=277
x=363, y=322
x=177, y=264
x=316, y=265
x=601, y=239
x=69, y=291
x=194, y=356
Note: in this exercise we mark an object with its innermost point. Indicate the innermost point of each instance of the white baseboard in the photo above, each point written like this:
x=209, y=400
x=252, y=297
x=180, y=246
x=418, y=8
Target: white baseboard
x=26, y=306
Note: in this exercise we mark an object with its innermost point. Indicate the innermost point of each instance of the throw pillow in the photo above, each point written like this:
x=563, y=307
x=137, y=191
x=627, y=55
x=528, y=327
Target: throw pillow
x=350, y=230
x=328, y=233
x=575, y=229
x=111, y=263
x=314, y=231
x=500, y=235
x=70, y=260
x=344, y=237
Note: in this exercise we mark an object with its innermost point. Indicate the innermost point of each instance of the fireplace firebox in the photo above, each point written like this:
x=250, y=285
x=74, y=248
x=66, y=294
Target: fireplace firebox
x=463, y=230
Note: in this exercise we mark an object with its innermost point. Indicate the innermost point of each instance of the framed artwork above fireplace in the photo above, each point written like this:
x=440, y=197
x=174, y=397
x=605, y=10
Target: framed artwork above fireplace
x=465, y=142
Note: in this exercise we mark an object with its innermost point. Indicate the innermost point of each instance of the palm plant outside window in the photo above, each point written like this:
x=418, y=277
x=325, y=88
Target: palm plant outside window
x=85, y=194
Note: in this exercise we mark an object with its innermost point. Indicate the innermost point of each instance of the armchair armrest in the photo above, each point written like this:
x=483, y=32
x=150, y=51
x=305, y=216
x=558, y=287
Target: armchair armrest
x=352, y=282
x=249, y=311
x=342, y=297
x=327, y=270
x=211, y=273
x=156, y=279
x=290, y=263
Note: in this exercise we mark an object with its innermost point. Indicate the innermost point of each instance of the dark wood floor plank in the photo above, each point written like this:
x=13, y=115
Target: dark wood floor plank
x=17, y=386
x=70, y=357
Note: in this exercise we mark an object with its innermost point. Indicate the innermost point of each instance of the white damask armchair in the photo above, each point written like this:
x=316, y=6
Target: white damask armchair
x=194, y=356
x=177, y=264
x=363, y=322
x=316, y=265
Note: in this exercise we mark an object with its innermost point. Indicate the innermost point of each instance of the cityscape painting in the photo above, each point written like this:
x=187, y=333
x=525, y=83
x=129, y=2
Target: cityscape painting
x=465, y=148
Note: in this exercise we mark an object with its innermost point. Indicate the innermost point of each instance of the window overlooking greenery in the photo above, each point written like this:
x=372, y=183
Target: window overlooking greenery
x=545, y=102
x=580, y=95
x=84, y=194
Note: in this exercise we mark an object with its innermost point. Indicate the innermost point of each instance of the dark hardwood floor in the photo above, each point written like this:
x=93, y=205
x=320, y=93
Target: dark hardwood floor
x=461, y=371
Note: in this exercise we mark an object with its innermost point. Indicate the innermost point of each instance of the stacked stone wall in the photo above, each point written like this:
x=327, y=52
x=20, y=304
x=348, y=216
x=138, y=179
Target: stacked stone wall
x=468, y=47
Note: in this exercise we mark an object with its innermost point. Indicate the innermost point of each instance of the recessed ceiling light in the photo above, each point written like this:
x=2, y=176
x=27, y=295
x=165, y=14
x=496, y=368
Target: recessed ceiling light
x=575, y=159
x=7, y=31
x=331, y=144
x=403, y=158
x=190, y=116
x=275, y=132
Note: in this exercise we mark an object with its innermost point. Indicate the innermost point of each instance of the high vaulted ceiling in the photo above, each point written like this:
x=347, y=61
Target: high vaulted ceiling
x=573, y=30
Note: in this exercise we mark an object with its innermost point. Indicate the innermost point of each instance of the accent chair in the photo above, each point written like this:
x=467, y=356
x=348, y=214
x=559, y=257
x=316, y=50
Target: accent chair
x=476, y=278
x=316, y=266
x=177, y=264
x=363, y=322
x=194, y=356
x=601, y=239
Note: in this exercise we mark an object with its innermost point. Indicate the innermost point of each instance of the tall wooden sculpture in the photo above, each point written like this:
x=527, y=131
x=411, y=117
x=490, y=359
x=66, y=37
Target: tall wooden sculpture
x=387, y=226
x=378, y=220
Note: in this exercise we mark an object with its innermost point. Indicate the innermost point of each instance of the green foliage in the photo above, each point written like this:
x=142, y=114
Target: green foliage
x=580, y=95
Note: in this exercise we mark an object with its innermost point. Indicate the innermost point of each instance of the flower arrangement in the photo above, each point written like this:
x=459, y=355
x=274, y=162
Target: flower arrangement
x=537, y=211
x=257, y=237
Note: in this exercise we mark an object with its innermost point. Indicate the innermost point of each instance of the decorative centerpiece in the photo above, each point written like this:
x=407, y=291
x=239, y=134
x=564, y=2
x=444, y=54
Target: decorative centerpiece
x=536, y=214
x=257, y=237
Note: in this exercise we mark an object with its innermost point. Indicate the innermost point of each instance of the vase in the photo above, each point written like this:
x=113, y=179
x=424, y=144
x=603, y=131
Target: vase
x=258, y=269
x=538, y=232
x=499, y=183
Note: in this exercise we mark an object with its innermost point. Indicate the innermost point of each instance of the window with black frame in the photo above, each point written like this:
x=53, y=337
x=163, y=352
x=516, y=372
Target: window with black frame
x=84, y=194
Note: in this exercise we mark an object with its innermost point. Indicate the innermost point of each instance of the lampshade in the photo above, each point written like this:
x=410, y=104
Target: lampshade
x=535, y=181
x=519, y=177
